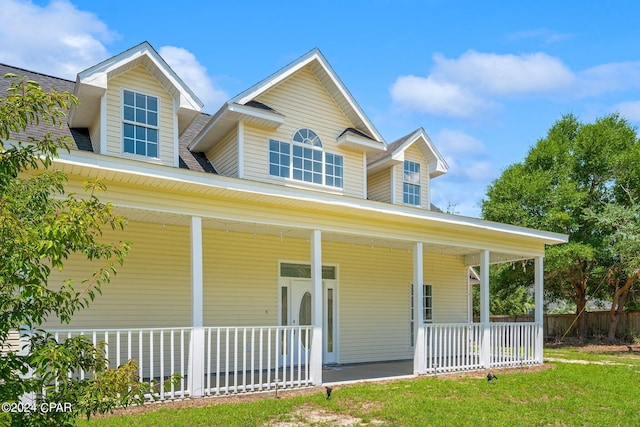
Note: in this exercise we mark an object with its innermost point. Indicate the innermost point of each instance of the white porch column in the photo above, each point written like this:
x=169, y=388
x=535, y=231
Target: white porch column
x=315, y=360
x=539, y=313
x=419, y=353
x=196, y=345
x=484, y=308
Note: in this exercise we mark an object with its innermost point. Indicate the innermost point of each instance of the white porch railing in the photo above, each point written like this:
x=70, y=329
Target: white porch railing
x=236, y=359
x=513, y=344
x=246, y=359
x=159, y=353
x=454, y=347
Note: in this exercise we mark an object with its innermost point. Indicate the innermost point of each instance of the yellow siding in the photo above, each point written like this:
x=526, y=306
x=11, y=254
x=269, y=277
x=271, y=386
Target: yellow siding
x=413, y=154
x=379, y=186
x=305, y=103
x=448, y=277
x=139, y=80
x=151, y=289
x=224, y=155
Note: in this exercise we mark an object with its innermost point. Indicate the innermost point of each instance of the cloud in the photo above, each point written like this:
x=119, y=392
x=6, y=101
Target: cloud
x=194, y=74
x=606, y=78
x=57, y=39
x=504, y=75
x=454, y=142
x=629, y=110
x=428, y=95
x=466, y=87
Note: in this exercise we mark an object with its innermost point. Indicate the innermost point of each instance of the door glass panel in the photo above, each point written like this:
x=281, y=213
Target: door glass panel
x=284, y=306
x=330, y=320
x=304, y=316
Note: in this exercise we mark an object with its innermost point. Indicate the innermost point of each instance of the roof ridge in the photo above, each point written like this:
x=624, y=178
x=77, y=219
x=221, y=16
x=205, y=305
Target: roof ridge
x=37, y=72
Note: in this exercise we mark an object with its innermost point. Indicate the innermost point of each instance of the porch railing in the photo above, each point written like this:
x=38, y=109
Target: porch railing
x=451, y=347
x=236, y=359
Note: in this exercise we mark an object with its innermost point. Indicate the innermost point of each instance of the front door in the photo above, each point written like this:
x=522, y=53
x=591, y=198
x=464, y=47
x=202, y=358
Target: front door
x=296, y=302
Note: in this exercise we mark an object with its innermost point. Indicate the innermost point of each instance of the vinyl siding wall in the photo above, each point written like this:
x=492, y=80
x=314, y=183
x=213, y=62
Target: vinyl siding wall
x=139, y=80
x=379, y=187
x=413, y=154
x=224, y=154
x=305, y=103
x=151, y=289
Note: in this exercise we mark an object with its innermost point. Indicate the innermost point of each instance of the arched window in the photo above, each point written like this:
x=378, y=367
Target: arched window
x=304, y=159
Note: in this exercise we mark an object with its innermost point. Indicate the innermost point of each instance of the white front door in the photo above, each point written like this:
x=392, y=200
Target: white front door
x=296, y=302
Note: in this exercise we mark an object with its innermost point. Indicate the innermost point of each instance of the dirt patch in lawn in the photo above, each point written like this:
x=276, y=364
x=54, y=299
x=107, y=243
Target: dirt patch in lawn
x=597, y=347
x=308, y=416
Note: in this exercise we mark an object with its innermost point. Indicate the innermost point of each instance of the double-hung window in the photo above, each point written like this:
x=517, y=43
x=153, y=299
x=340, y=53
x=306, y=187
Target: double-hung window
x=411, y=183
x=303, y=159
x=140, y=124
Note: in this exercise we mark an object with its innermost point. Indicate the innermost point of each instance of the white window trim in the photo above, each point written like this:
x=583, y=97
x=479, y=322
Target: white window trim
x=419, y=184
x=123, y=121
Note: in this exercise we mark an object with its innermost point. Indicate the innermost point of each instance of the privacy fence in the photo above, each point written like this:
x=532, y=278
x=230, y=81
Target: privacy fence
x=557, y=325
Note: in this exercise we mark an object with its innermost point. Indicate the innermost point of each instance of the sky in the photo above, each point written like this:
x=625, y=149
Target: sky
x=485, y=79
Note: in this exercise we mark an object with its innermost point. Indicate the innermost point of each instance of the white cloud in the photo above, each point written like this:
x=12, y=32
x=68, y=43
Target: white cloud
x=605, y=78
x=504, y=74
x=466, y=87
x=194, y=74
x=544, y=34
x=56, y=39
x=454, y=142
x=427, y=95
x=629, y=110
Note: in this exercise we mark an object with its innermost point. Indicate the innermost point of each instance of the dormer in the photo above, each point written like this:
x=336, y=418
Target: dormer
x=299, y=127
x=402, y=174
x=134, y=106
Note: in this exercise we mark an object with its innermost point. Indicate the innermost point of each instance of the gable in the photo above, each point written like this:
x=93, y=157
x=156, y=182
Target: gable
x=141, y=81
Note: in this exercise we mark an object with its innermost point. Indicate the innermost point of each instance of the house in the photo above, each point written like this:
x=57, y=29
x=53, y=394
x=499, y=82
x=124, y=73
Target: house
x=277, y=236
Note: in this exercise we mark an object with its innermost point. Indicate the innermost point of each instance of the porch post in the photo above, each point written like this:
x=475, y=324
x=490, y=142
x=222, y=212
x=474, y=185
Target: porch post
x=419, y=353
x=484, y=309
x=196, y=346
x=539, y=313
x=315, y=360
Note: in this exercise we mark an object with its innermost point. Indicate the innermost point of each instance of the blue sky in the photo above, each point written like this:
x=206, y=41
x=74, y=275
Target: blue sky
x=485, y=79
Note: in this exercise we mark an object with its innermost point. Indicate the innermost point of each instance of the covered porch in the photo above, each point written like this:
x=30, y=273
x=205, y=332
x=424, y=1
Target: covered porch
x=241, y=291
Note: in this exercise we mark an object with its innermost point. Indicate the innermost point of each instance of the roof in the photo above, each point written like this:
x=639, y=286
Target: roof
x=395, y=154
x=80, y=136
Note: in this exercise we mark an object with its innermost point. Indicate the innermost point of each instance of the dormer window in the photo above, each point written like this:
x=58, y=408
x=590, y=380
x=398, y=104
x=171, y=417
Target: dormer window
x=411, y=183
x=304, y=159
x=140, y=124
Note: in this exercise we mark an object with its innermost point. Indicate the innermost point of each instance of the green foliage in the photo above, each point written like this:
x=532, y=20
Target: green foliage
x=40, y=228
x=582, y=180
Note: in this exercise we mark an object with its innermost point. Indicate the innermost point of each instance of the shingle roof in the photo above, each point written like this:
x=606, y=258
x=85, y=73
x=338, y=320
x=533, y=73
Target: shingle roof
x=80, y=136
x=390, y=148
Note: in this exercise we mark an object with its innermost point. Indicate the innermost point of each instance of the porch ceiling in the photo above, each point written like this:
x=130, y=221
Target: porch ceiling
x=164, y=219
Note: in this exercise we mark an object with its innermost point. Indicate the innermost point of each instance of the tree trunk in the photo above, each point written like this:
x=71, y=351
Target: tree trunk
x=617, y=305
x=581, y=307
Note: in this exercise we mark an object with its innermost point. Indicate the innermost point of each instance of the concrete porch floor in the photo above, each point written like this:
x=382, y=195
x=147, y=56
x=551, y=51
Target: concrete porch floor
x=366, y=371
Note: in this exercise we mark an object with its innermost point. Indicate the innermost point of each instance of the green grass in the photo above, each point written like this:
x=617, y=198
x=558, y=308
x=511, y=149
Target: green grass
x=569, y=394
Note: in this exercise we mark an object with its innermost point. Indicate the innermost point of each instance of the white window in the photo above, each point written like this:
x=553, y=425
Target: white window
x=411, y=183
x=427, y=309
x=140, y=124
x=305, y=160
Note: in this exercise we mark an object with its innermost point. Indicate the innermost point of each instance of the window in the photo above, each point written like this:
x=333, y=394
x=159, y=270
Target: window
x=411, y=183
x=140, y=124
x=427, y=309
x=305, y=160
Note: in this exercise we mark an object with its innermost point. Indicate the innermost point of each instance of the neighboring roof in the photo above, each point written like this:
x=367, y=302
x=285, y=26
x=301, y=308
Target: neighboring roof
x=80, y=136
x=368, y=135
x=395, y=154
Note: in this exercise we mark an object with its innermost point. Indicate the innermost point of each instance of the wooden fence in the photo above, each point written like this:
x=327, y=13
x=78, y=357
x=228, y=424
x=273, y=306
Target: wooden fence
x=556, y=325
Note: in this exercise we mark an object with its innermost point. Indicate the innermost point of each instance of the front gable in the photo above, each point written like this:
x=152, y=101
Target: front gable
x=308, y=96
x=157, y=109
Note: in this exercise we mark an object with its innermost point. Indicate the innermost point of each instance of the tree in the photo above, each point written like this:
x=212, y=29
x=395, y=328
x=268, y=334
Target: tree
x=567, y=181
x=40, y=227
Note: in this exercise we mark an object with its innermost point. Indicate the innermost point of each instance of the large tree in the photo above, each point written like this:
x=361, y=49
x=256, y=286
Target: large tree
x=567, y=183
x=40, y=227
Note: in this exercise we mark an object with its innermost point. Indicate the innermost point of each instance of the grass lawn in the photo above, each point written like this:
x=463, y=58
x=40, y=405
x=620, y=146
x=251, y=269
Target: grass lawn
x=601, y=392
